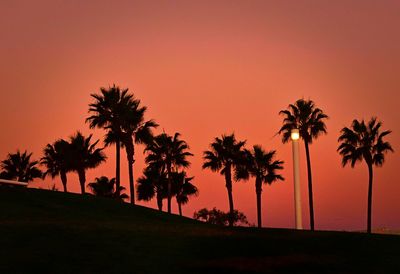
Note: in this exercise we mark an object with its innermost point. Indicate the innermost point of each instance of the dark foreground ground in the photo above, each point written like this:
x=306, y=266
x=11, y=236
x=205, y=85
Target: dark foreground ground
x=51, y=232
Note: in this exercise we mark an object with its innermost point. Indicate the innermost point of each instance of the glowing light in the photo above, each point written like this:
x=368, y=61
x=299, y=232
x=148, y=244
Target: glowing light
x=295, y=135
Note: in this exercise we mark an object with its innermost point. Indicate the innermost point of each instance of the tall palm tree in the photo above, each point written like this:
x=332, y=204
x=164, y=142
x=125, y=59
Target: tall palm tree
x=183, y=189
x=153, y=183
x=84, y=155
x=135, y=131
x=57, y=159
x=364, y=141
x=310, y=121
x=168, y=153
x=104, y=187
x=108, y=111
x=225, y=156
x=19, y=166
x=262, y=166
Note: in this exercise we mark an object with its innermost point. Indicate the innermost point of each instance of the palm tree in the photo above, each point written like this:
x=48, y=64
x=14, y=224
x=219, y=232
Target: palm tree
x=183, y=189
x=84, y=155
x=108, y=111
x=19, y=166
x=135, y=130
x=226, y=155
x=153, y=183
x=104, y=187
x=309, y=120
x=168, y=153
x=261, y=165
x=364, y=142
x=57, y=161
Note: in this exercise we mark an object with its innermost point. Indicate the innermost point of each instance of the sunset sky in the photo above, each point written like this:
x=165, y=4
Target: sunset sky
x=205, y=68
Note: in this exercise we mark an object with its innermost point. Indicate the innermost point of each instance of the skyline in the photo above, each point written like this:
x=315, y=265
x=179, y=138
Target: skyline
x=210, y=77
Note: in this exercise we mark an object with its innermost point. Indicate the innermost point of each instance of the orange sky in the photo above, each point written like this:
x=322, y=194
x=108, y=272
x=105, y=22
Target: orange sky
x=207, y=68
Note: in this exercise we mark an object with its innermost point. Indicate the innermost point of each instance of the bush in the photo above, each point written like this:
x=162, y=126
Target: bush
x=218, y=217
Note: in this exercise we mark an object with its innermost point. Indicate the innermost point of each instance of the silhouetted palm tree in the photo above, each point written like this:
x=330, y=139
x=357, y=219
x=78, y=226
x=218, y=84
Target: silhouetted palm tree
x=135, y=130
x=153, y=183
x=84, y=155
x=19, y=166
x=168, y=153
x=183, y=188
x=108, y=112
x=57, y=160
x=104, y=187
x=261, y=165
x=226, y=154
x=309, y=120
x=364, y=142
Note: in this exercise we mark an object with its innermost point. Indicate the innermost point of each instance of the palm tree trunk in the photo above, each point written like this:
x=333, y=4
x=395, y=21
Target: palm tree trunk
x=180, y=208
x=63, y=177
x=230, y=197
x=228, y=180
x=169, y=187
x=130, y=152
x=117, y=167
x=370, y=173
x=258, y=194
x=131, y=185
x=310, y=190
x=159, y=202
x=82, y=180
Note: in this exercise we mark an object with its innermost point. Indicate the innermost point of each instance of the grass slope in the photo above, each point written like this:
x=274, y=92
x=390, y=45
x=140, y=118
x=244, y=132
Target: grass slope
x=52, y=232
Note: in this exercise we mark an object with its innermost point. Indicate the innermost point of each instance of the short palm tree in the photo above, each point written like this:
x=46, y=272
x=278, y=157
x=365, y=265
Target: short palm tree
x=108, y=111
x=135, y=131
x=19, y=166
x=153, y=183
x=310, y=121
x=183, y=189
x=84, y=155
x=57, y=159
x=104, y=187
x=364, y=141
x=262, y=166
x=225, y=155
x=168, y=153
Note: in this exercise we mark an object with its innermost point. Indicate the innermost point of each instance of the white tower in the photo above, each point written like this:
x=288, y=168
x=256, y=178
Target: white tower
x=295, y=136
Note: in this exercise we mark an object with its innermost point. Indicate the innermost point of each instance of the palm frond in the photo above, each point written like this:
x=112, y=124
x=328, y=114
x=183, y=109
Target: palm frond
x=304, y=116
x=363, y=141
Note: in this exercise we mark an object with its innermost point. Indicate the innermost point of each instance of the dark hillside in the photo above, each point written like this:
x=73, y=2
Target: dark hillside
x=52, y=232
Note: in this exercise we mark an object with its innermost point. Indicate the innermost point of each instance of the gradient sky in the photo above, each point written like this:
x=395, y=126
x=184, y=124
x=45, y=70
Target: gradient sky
x=205, y=68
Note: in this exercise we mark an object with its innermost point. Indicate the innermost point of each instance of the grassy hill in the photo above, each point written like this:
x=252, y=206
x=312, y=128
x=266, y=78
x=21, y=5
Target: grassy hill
x=52, y=232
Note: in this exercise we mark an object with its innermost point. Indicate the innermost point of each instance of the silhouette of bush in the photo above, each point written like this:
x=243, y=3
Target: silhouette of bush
x=218, y=217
